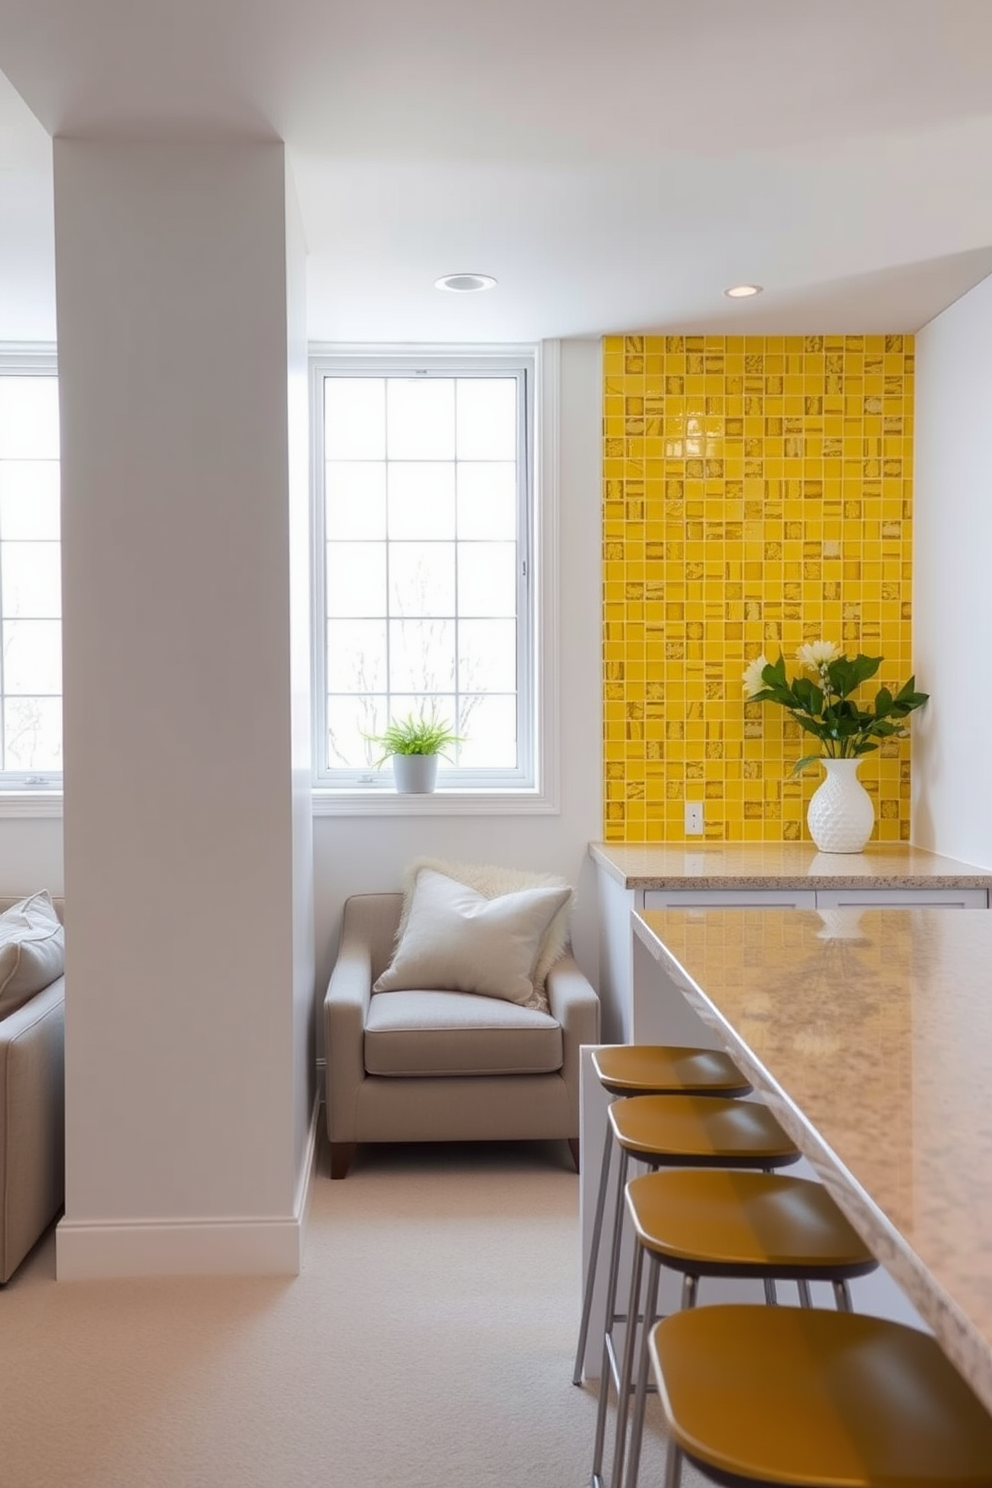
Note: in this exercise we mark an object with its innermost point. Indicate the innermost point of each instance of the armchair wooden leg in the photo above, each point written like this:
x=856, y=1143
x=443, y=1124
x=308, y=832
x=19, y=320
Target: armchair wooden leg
x=573, y=1144
x=341, y=1155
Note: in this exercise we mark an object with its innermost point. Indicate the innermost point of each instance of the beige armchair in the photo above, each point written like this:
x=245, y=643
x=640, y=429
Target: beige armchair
x=425, y=1066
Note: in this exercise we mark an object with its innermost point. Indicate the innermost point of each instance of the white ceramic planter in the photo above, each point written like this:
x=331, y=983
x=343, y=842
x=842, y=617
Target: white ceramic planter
x=840, y=814
x=414, y=774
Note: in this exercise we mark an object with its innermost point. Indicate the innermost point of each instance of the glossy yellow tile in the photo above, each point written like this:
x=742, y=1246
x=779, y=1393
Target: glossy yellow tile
x=757, y=495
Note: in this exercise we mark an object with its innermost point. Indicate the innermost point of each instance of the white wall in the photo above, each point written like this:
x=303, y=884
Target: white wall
x=300, y=675
x=952, y=580
x=31, y=854
x=184, y=1109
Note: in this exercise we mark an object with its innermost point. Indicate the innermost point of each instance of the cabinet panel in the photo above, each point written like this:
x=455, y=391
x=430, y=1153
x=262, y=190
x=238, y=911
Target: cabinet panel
x=901, y=898
x=729, y=899
x=855, y=898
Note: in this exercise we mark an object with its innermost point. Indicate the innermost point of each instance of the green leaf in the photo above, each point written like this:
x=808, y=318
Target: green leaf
x=807, y=694
x=414, y=735
x=830, y=714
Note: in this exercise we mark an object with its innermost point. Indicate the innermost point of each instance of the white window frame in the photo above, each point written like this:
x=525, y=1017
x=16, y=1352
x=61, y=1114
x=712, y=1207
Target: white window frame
x=459, y=792
x=23, y=792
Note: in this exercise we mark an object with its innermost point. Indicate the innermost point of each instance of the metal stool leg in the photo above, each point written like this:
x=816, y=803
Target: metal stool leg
x=673, y=1466
x=805, y=1300
x=597, y=1232
x=842, y=1294
x=640, y=1395
x=690, y=1291
x=608, y=1367
x=626, y=1372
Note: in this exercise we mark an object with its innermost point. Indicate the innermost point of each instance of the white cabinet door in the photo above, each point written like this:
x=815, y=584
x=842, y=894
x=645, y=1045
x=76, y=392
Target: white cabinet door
x=729, y=899
x=901, y=898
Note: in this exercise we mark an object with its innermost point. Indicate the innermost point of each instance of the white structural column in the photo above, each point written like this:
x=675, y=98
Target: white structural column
x=188, y=877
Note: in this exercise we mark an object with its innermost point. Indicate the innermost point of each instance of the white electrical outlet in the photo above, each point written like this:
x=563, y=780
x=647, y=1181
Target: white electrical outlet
x=693, y=818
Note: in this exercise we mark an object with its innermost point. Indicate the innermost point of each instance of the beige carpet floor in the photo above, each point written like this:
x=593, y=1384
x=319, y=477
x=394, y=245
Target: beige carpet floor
x=428, y=1340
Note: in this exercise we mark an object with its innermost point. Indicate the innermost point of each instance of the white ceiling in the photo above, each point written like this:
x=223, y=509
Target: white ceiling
x=615, y=166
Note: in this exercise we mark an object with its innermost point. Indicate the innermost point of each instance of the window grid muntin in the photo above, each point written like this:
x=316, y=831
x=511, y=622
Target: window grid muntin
x=23, y=363
x=520, y=366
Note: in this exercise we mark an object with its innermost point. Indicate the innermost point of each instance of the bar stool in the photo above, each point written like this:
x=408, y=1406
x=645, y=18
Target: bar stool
x=677, y=1131
x=704, y=1222
x=648, y=1069
x=765, y=1396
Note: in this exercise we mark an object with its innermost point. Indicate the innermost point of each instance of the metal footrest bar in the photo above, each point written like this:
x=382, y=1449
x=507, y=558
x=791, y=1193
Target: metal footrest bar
x=611, y=1354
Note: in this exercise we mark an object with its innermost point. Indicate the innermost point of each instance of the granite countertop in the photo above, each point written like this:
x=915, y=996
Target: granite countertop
x=869, y=1033
x=781, y=865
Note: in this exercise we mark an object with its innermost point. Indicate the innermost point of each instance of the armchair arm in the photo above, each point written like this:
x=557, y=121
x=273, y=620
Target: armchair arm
x=575, y=1004
x=346, y=1005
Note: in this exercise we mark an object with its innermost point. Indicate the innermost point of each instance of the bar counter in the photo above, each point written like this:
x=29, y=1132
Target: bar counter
x=869, y=1033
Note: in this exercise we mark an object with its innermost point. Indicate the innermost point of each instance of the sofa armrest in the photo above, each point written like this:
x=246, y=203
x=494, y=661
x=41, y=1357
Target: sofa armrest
x=574, y=1003
x=346, y=1005
x=32, y=1122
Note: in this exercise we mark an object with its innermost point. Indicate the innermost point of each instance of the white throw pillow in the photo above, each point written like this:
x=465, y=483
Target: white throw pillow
x=493, y=880
x=32, y=950
x=459, y=940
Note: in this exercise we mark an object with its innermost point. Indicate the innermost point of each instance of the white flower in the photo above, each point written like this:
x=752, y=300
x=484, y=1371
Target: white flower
x=752, y=677
x=818, y=654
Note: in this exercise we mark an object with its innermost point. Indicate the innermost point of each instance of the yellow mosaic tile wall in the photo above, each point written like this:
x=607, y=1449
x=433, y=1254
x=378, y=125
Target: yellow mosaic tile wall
x=757, y=495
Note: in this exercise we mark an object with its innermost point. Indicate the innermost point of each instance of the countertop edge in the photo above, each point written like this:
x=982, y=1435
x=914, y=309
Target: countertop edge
x=782, y=880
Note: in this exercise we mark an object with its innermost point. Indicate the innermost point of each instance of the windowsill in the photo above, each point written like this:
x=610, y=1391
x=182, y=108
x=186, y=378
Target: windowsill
x=438, y=803
x=27, y=803
x=30, y=803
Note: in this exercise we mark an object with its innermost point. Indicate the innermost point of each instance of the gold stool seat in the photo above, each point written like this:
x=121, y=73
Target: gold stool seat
x=697, y=1131
x=667, y=1069
x=771, y=1396
x=723, y=1222
x=719, y=1222
x=648, y=1069
x=674, y=1131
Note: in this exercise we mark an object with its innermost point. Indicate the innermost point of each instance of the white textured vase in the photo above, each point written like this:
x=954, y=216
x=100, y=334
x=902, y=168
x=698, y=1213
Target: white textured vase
x=415, y=774
x=840, y=815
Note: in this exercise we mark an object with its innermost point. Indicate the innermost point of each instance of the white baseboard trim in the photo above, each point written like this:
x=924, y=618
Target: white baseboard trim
x=89, y=1250
x=304, y=1187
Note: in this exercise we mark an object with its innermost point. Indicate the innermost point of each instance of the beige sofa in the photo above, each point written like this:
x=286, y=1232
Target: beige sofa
x=431, y=1066
x=32, y=1118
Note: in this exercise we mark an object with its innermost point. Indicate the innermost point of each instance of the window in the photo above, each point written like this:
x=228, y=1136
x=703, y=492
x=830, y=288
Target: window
x=425, y=562
x=30, y=574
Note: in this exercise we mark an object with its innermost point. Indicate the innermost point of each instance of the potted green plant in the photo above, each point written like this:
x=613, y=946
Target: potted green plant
x=414, y=744
x=840, y=815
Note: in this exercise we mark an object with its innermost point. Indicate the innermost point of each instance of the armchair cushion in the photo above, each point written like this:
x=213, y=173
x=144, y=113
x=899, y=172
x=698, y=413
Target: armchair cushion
x=457, y=939
x=492, y=880
x=458, y=1033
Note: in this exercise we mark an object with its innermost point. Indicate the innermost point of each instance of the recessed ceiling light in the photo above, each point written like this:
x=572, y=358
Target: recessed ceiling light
x=465, y=283
x=742, y=291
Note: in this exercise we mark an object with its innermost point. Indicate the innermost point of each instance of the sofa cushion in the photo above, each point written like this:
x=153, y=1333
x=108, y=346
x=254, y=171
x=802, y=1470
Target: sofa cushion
x=458, y=1033
x=459, y=940
x=32, y=950
x=493, y=880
